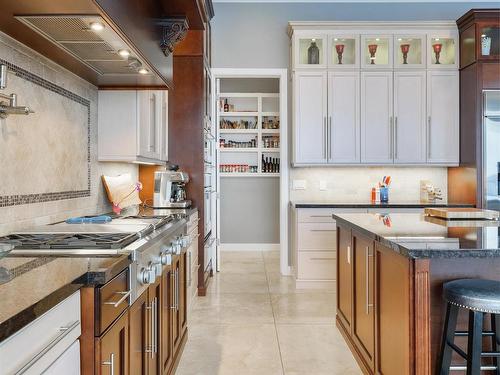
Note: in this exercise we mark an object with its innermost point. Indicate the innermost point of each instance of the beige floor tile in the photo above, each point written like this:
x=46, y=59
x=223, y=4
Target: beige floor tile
x=271, y=255
x=241, y=256
x=238, y=283
x=242, y=266
x=307, y=308
x=315, y=350
x=231, y=350
x=229, y=308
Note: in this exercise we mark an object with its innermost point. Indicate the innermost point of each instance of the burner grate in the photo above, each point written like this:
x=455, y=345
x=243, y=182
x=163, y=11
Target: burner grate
x=69, y=240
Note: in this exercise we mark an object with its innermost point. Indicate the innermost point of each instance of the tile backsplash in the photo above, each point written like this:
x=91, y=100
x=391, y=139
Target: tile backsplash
x=346, y=184
x=49, y=158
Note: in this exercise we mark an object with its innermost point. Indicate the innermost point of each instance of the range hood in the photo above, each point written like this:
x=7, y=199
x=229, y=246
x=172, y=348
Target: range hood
x=91, y=40
x=61, y=30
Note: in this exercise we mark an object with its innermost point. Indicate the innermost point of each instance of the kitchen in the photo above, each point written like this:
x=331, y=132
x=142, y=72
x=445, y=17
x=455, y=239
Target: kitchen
x=304, y=110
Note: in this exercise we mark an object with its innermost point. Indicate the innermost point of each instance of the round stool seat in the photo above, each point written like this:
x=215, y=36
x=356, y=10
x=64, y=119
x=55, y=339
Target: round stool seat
x=474, y=294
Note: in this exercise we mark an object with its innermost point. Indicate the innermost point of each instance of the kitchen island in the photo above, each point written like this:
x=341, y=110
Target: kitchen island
x=390, y=272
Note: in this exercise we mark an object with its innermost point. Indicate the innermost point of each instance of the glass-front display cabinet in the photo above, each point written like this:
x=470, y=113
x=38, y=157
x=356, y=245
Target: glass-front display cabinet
x=409, y=51
x=442, y=51
x=344, y=51
x=376, y=51
x=310, y=51
x=489, y=48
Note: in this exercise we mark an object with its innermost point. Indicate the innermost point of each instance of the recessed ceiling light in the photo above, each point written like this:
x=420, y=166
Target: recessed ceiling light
x=336, y=39
x=313, y=39
x=436, y=39
x=399, y=39
x=143, y=71
x=483, y=35
x=96, y=26
x=124, y=52
x=377, y=39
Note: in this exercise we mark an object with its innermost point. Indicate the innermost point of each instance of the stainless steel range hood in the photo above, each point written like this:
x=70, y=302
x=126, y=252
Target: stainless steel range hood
x=91, y=40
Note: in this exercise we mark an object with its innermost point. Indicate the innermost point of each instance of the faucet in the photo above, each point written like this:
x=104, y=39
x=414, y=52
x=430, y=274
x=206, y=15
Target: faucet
x=10, y=107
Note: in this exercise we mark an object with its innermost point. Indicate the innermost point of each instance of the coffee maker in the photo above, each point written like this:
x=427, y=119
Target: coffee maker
x=170, y=189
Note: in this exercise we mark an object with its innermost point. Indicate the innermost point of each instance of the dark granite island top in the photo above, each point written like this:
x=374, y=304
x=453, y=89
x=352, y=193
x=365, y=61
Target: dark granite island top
x=369, y=204
x=418, y=236
x=38, y=284
x=390, y=274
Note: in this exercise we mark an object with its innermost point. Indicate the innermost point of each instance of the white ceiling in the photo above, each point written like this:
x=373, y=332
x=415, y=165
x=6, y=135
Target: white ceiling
x=354, y=1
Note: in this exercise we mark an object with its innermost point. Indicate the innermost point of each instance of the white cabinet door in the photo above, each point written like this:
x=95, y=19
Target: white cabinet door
x=343, y=117
x=409, y=117
x=376, y=118
x=149, y=119
x=310, y=117
x=443, y=117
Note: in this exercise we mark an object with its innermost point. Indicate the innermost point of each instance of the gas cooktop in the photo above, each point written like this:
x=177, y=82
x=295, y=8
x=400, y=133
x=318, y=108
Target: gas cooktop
x=69, y=240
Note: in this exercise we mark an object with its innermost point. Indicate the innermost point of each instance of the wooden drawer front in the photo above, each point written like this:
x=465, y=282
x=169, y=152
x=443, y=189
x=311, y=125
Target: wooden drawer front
x=316, y=265
x=317, y=236
x=315, y=215
x=52, y=333
x=112, y=300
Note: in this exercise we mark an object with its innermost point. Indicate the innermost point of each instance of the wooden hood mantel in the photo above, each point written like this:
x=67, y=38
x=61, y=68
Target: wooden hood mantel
x=149, y=29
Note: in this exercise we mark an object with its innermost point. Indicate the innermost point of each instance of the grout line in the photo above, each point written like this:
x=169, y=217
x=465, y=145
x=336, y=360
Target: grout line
x=274, y=317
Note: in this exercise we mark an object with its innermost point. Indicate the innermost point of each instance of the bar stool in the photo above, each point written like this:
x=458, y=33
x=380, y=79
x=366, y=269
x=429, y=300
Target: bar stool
x=480, y=297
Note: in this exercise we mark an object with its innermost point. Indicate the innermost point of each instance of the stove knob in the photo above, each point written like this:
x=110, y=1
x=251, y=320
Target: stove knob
x=158, y=268
x=185, y=241
x=147, y=275
x=166, y=258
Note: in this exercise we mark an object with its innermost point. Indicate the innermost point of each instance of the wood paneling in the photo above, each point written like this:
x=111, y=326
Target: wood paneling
x=393, y=304
x=462, y=182
x=139, y=335
x=344, y=277
x=191, y=45
x=421, y=300
x=87, y=353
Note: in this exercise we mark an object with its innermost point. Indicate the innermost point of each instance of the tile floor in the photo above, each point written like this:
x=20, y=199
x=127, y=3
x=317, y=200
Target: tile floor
x=254, y=322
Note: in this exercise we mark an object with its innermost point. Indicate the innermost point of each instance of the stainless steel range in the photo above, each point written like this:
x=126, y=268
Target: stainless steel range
x=150, y=243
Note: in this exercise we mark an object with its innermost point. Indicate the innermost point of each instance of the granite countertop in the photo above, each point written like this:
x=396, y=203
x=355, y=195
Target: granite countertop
x=418, y=236
x=38, y=284
x=369, y=204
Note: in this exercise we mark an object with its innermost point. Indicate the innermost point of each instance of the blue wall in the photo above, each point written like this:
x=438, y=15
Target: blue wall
x=254, y=35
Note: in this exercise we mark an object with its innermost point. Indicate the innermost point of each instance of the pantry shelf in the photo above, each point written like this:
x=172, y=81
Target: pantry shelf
x=249, y=175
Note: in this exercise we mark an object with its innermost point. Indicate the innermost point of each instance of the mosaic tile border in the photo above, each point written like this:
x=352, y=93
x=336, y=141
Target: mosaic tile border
x=30, y=265
x=14, y=200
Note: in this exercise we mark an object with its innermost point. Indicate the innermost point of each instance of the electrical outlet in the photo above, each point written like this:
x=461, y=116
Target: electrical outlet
x=299, y=184
x=322, y=185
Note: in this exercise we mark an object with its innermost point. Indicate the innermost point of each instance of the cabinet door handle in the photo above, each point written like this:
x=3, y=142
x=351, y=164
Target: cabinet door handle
x=177, y=288
x=325, y=138
x=429, y=124
x=391, y=141
x=155, y=316
x=395, y=137
x=330, y=145
x=125, y=295
x=189, y=267
x=110, y=363
x=322, y=258
x=321, y=216
x=322, y=230
x=367, y=270
x=172, y=275
x=348, y=254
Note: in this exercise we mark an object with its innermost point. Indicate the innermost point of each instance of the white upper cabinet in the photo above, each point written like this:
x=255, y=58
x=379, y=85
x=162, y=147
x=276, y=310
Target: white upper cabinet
x=343, y=117
x=410, y=51
x=443, y=117
x=376, y=51
x=309, y=51
x=343, y=51
x=409, y=117
x=310, y=117
x=376, y=118
x=442, y=50
x=132, y=126
x=375, y=93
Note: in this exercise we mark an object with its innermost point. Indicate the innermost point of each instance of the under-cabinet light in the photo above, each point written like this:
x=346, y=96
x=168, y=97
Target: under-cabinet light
x=96, y=26
x=124, y=52
x=143, y=71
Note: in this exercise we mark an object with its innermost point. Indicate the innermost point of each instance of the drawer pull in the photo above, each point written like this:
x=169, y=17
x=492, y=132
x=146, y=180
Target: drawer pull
x=329, y=216
x=322, y=230
x=64, y=331
x=322, y=258
x=348, y=254
x=124, y=295
x=111, y=364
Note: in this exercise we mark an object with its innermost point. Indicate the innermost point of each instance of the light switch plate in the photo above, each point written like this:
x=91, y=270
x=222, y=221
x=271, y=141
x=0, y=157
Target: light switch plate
x=322, y=185
x=299, y=184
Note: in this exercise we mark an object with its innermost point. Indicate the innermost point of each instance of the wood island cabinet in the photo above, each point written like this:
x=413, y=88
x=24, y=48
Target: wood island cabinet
x=344, y=277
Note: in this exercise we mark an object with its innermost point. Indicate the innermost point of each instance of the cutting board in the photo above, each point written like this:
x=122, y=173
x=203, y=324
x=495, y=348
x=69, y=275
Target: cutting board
x=457, y=213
